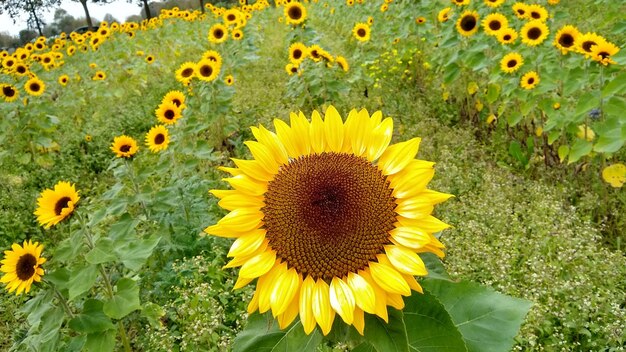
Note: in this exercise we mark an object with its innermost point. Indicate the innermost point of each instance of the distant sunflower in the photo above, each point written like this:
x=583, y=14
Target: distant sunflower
x=63, y=80
x=176, y=97
x=534, y=32
x=207, y=70
x=237, y=34
x=494, y=23
x=54, y=205
x=494, y=3
x=511, y=62
x=22, y=266
x=34, y=86
x=530, y=80
x=444, y=14
x=343, y=63
x=21, y=69
x=8, y=63
x=520, y=10
x=291, y=69
x=467, y=24
x=329, y=219
x=297, y=53
x=295, y=13
x=537, y=12
x=420, y=20
x=461, y=2
x=99, y=76
x=71, y=50
x=213, y=56
x=585, y=42
x=218, y=33
x=507, y=36
x=157, y=139
x=231, y=17
x=168, y=113
x=229, y=80
x=314, y=52
x=603, y=52
x=9, y=93
x=565, y=39
x=186, y=72
x=361, y=32
x=150, y=59
x=370, y=20
x=124, y=146
x=384, y=7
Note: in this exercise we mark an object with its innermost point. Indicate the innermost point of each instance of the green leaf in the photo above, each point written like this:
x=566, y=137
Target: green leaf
x=123, y=228
x=487, y=320
x=92, y=319
x=585, y=103
x=82, y=279
x=101, y=253
x=153, y=313
x=610, y=142
x=617, y=85
x=563, y=152
x=493, y=91
x=515, y=149
x=387, y=337
x=101, y=341
x=429, y=326
x=580, y=148
x=262, y=334
x=134, y=254
x=59, y=278
x=514, y=118
x=434, y=266
x=125, y=300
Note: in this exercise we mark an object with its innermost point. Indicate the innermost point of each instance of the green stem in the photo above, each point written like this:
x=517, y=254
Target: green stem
x=63, y=301
x=131, y=175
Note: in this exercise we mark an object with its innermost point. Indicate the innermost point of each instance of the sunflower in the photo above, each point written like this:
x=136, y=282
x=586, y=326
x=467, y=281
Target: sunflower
x=534, y=33
x=507, y=36
x=22, y=266
x=537, y=12
x=520, y=10
x=63, y=80
x=494, y=3
x=8, y=63
x=34, y=86
x=9, y=92
x=176, y=97
x=229, y=80
x=420, y=20
x=529, y=80
x=207, y=70
x=295, y=13
x=21, y=69
x=329, y=219
x=494, y=23
x=314, y=52
x=292, y=69
x=71, y=50
x=150, y=59
x=297, y=53
x=343, y=63
x=168, y=113
x=511, y=62
x=586, y=41
x=54, y=205
x=603, y=52
x=444, y=14
x=384, y=7
x=237, y=34
x=461, y=2
x=361, y=32
x=186, y=72
x=213, y=56
x=218, y=33
x=124, y=146
x=565, y=39
x=370, y=20
x=230, y=17
x=157, y=139
x=467, y=24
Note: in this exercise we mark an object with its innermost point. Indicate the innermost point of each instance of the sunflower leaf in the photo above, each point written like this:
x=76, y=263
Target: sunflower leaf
x=81, y=280
x=92, y=319
x=125, y=300
x=387, y=337
x=263, y=334
x=134, y=254
x=101, y=341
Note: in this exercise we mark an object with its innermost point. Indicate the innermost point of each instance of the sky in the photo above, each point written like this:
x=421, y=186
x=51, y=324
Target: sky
x=120, y=9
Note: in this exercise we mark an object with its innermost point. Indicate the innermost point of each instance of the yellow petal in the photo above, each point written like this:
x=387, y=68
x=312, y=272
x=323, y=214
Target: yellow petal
x=376, y=117
x=241, y=260
x=287, y=138
x=389, y=279
x=316, y=133
x=410, y=237
x=414, y=207
x=300, y=129
x=342, y=299
x=265, y=157
x=429, y=248
x=221, y=193
x=231, y=170
x=241, y=201
x=253, y=169
x=253, y=305
x=243, y=219
x=363, y=292
x=380, y=141
x=322, y=310
x=306, y=305
x=381, y=295
x=360, y=133
x=241, y=282
x=395, y=300
x=285, y=289
x=359, y=320
x=258, y=265
x=410, y=279
x=247, y=185
x=285, y=319
x=271, y=141
x=265, y=286
x=435, y=197
x=429, y=224
x=397, y=157
x=333, y=127
x=247, y=244
x=347, y=131
x=405, y=260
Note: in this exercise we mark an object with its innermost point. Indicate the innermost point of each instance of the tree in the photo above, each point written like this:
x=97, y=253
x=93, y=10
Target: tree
x=33, y=8
x=86, y=9
x=146, y=7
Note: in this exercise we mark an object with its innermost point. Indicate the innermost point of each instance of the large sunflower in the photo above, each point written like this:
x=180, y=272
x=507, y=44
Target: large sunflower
x=207, y=70
x=22, y=266
x=603, y=52
x=361, y=32
x=295, y=13
x=511, y=62
x=124, y=146
x=186, y=72
x=521, y=10
x=467, y=24
x=530, y=80
x=494, y=23
x=329, y=219
x=34, y=86
x=54, y=205
x=168, y=113
x=534, y=32
x=565, y=38
x=213, y=56
x=9, y=93
x=297, y=53
x=586, y=41
x=158, y=138
x=218, y=33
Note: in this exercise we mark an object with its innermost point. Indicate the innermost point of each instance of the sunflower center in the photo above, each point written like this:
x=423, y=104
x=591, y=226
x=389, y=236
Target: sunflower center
x=35, y=87
x=294, y=12
x=297, y=54
x=61, y=204
x=176, y=101
x=604, y=54
x=511, y=63
x=531, y=80
x=231, y=17
x=25, y=267
x=534, y=33
x=218, y=33
x=328, y=214
x=468, y=23
x=361, y=32
x=495, y=25
x=187, y=72
x=8, y=91
x=21, y=69
x=521, y=12
x=159, y=139
x=169, y=114
x=587, y=45
x=535, y=15
x=206, y=70
x=125, y=148
x=507, y=37
x=566, y=40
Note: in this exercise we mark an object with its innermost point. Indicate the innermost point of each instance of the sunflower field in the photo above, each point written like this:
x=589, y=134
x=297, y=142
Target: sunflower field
x=321, y=175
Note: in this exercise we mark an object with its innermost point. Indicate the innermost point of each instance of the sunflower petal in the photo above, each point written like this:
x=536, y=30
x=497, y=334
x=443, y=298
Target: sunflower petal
x=363, y=292
x=389, y=279
x=247, y=244
x=285, y=289
x=359, y=320
x=382, y=136
x=405, y=260
x=342, y=299
x=333, y=127
x=258, y=265
x=397, y=157
x=316, y=133
x=265, y=157
x=306, y=304
x=322, y=310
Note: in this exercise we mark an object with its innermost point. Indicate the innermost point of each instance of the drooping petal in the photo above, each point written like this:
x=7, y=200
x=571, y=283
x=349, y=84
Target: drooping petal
x=414, y=207
x=285, y=319
x=265, y=285
x=397, y=157
x=429, y=224
x=322, y=310
x=241, y=282
x=247, y=244
x=410, y=237
x=342, y=299
x=258, y=265
x=286, y=287
x=389, y=279
x=363, y=292
x=307, y=291
x=405, y=260
x=381, y=295
x=359, y=320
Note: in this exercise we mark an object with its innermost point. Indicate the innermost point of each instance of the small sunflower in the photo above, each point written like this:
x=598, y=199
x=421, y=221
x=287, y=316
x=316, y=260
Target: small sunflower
x=186, y=72
x=537, y=12
x=218, y=33
x=124, y=146
x=21, y=69
x=494, y=3
x=213, y=56
x=314, y=52
x=99, y=76
x=603, y=52
x=343, y=63
x=295, y=13
x=176, y=97
x=530, y=80
x=297, y=53
x=494, y=23
x=22, y=266
x=361, y=32
x=461, y=2
x=520, y=10
x=157, y=139
x=384, y=7
x=534, y=33
x=467, y=24
x=586, y=41
x=54, y=205
x=329, y=219
x=34, y=86
x=292, y=69
x=229, y=80
x=420, y=20
x=9, y=93
x=168, y=113
x=444, y=14
x=63, y=80
x=511, y=62
x=237, y=34
x=207, y=70
x=565, y=39
x=150, y=59
x=231, y=17
x=370, y=20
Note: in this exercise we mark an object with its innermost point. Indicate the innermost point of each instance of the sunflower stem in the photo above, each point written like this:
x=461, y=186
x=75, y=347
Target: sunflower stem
x=131, y=175
x=63, y=301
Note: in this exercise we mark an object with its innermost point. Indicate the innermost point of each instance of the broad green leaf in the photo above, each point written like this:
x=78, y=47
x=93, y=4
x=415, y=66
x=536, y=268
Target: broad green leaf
x=125, y=300
x=101, y=341
x=134, y=254
x=429, y=326
x=262, y=334
x=387, y=337
x=487, y=320
x=92, y=319
x=587, y=102
x=102, y=252
x=153, y=313
x=82, y=279
x=364, y=347
x=580, y=148
x=69, y=248
x=515, y=149
x=616, y=85
x=514, y=118
x=563, y=152
x=434, y=266
x=123, y=228
x=493, y=91
x=59, y=278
